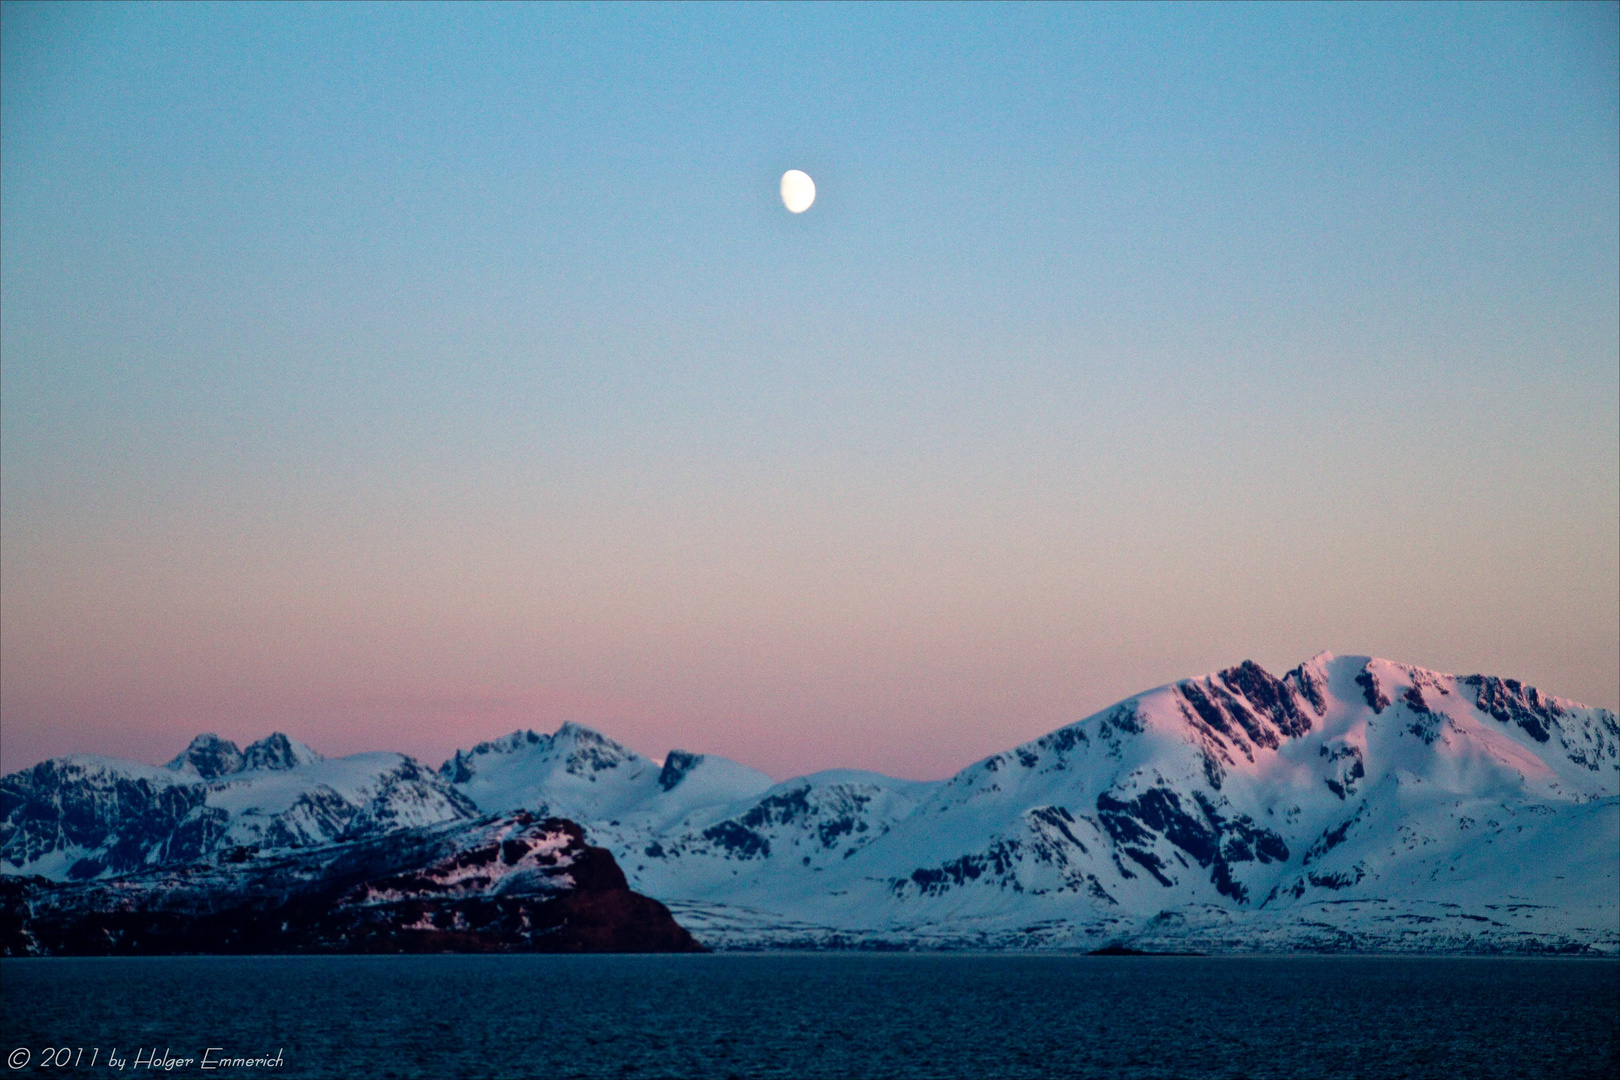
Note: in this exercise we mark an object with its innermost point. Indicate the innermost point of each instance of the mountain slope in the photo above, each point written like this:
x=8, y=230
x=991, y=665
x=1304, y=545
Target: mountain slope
x=1276, y=805
x=1351, y=803
x=586, y=776
x=510, y=883
x=84, y=816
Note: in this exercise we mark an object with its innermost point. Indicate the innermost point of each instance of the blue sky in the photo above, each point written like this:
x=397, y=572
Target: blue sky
x=397, y=375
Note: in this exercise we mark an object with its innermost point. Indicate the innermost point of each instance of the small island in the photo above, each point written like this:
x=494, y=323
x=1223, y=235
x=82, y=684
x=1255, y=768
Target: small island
x=1117, y=949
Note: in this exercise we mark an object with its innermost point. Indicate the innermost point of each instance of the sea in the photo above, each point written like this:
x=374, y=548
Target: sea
x=812, y=1015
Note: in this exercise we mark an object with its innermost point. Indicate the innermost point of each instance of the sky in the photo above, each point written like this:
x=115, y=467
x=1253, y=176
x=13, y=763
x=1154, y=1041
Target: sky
x=399, y=376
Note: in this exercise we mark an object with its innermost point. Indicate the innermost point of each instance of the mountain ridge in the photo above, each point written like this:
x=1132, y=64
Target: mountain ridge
x=1350, y=793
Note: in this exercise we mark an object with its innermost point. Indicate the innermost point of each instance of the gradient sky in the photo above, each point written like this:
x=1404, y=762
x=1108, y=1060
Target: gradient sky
x=398, y=376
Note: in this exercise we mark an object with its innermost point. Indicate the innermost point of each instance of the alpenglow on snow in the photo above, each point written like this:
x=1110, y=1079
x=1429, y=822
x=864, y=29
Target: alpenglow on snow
x=1353, y=803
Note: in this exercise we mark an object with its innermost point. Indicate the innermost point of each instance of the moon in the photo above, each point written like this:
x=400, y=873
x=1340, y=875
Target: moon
x=798, y=191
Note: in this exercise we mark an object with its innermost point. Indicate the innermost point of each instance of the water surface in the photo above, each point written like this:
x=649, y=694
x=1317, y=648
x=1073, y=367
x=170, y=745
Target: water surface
x=826, y=1015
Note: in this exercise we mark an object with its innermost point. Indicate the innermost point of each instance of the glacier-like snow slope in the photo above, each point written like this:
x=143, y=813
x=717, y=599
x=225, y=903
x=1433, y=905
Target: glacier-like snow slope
x=696, y=823
x=1353, y=803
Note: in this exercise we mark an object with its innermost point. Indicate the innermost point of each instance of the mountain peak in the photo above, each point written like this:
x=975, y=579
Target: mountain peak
x=506, y=744
x=1379, y=799
x=277, y=751
x=570, y=731
x=589, y=750
x=208, y=756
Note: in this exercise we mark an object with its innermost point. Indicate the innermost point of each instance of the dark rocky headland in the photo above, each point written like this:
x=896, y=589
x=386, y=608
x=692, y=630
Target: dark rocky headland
x=508, y=883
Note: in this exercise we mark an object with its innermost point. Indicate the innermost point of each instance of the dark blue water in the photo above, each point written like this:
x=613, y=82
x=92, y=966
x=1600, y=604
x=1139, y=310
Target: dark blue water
x=823, y=1015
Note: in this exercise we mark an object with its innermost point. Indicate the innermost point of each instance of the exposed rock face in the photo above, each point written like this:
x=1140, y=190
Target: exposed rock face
x=1353, y=803
x=677, y=763
x=101, y=817
x=208, y=756
x=82, y=817
x=277, y=752
x=507, y=884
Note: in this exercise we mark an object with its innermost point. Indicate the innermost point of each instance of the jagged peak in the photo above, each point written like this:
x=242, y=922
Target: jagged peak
x=277, y=751
x=589, y=751
x=506, y=744
x=1309, y=681
x=570, y=729
x=461, y=766
x=1245, y=706
x=208, y=756
x=583, y=747
x=568, y=732
x=572, y=732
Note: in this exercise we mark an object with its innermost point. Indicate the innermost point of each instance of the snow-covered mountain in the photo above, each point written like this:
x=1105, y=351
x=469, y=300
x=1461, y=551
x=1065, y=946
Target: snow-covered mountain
x=1352, y=803
x=1352, y=800
x=84, y=816
x=210, y=756
x=586, y=776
